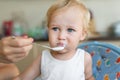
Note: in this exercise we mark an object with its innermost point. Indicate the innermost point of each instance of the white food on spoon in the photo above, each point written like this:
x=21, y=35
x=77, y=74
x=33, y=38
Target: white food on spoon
x=59, y=48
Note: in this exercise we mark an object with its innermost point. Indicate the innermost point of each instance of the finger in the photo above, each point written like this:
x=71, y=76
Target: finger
x=11, y=51
x=16, y=57
x=4, y=41
x=16, y=50
x=12, y=58
x=4, y=59
x=20, y=41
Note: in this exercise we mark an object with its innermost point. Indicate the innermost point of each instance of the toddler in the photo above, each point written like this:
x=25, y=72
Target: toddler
x=67, y=25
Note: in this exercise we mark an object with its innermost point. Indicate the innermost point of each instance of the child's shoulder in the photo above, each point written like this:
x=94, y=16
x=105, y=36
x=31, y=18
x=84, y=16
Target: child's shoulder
x=87, y=57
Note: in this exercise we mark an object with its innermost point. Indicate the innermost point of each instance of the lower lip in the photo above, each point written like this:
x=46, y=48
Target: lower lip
x=60, y=44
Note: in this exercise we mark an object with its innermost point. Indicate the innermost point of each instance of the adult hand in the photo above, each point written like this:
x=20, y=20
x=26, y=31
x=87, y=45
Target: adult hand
x=14, y=49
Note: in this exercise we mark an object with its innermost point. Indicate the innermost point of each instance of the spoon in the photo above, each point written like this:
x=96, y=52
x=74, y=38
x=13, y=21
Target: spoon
x=59, y=48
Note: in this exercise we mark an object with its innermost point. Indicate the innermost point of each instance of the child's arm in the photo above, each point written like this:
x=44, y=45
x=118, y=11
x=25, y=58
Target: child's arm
x=32, y=71
x=88, y=67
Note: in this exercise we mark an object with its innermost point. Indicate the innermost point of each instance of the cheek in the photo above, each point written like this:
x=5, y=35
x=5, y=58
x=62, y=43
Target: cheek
x=74, y=40
x=73, y=43
x=52, y=36
x=77, y=36
x=51, y=39
x=80, y=36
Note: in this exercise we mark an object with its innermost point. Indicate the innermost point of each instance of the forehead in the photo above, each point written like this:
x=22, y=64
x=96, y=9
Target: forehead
x=69, y=14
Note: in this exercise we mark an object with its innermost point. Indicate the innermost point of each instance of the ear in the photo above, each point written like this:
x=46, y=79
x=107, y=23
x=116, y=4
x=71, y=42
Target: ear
x=83, y=35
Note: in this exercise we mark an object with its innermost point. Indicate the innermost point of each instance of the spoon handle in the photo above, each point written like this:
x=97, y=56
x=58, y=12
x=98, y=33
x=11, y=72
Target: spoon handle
x=54, y=48
x=42, y=45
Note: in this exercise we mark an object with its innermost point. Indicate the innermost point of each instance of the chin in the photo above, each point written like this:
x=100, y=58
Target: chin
x=63, y=51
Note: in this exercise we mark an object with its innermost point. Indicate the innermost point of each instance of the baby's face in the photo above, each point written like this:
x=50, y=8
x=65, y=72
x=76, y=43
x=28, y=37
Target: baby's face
x=66, y=28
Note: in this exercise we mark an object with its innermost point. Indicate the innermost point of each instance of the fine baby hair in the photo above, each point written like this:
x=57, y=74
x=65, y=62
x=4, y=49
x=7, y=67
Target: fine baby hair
x=70, y=3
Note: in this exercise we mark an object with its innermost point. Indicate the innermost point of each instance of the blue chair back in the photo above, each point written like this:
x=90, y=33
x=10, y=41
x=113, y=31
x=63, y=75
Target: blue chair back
x=106, y=59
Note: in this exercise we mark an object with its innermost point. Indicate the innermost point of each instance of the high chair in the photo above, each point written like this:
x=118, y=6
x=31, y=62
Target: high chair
x=106, y=59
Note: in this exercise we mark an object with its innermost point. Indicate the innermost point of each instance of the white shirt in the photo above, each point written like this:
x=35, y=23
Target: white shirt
x=53, y=69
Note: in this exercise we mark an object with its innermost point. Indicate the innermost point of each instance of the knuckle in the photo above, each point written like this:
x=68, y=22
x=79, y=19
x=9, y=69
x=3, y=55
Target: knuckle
x=18, y=43
x=9, y=58
x=12, y=59
x=3, y=42
x=24, y=50
x=5, y=51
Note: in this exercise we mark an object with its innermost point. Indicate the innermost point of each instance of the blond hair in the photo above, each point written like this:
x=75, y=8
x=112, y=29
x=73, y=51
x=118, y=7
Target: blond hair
x=64, y=3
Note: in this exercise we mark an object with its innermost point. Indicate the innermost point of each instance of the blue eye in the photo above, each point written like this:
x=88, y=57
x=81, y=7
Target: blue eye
x=55, y=28
x=70, y=30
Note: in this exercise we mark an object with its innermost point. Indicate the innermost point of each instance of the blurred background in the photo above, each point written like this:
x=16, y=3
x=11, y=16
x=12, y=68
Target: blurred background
x=28, y=17
x=21, y=17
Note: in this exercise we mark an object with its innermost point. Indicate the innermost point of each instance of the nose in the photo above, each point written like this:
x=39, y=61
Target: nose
x=62, y=35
